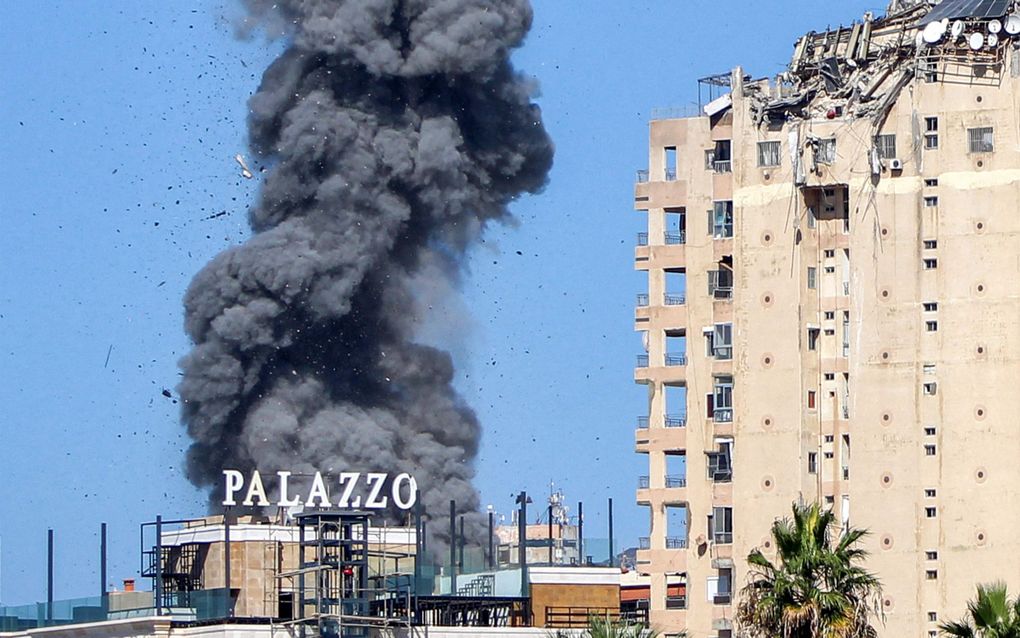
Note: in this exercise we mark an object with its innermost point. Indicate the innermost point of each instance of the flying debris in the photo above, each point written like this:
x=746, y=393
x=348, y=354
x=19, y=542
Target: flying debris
x=245, y=171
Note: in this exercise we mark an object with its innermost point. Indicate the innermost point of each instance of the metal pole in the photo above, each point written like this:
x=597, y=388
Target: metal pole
x=550, y=535
x=580, y=532
x=453, y=547
x=418, y=543
x=299, y=610
x=460, y=561
x=612, y=557
x=491, y=557
x=158, y=574
x=522, y=534
x=102, y=565
x=49, y=574
x=226, y=560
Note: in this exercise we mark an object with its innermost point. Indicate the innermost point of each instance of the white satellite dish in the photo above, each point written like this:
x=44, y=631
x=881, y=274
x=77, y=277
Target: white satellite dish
x=1013, y=24
x=992, y=39
x=933, y=32
x=957, y=28
x=976, y=41
x=994, y=26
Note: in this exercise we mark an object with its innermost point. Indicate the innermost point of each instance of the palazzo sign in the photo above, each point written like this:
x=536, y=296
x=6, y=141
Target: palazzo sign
x=356, y=491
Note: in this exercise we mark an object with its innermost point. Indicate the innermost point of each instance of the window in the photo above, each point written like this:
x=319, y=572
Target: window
x=812, y=338
x=931, y=201
x=721, y=157
x=929, y=388
x=929, y=450
x=720, y=463
x=812, y=220
x=825, y=152
x=830, y=376
x=830, y=332
x=929, y=493
x=811, y=400
x=929, y=512
x=812, y=462
x=830, y=315
x=769, y=154
x=722, y=525
x=812, y=274
x=931, y=244
x=886, y=146
x=829, y=254
x=931, y=555
x=931, y=183
x=830, y=438
x=722, y=399
x=830, y=269
x=670, y=162
x=709, y=159
x=928, y=368
x=931, y=70
x=722, y=219
x=929, y=431
x=722, y=341
x=931, y=139
x=931, y=326
x=720, y=283
x=931, y=574
x=931, y=306
x=829, y=500
x=931, y=263
x=981, y=140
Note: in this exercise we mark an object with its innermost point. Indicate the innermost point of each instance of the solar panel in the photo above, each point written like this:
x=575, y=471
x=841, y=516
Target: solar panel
x=977, y=9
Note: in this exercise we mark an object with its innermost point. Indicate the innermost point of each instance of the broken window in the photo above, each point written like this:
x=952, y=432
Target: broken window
x=931, y=70
x=886, y=146
x=720, y=282
x=670, y=159
x=722, y=219
x=720, y=463
x=930, y=388
x=981, y=140
x=931, y=138
x=769, y=154
x=825, y=152
x=721, y=157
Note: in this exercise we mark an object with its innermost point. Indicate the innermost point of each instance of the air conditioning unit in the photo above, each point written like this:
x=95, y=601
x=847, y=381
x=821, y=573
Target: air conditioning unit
x=896, y=164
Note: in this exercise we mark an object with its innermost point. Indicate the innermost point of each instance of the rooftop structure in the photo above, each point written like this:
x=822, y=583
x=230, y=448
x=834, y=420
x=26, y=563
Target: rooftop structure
x=844, y=327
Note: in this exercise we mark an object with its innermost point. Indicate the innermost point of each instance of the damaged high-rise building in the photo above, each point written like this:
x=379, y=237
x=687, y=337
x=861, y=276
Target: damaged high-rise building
x=833, y=315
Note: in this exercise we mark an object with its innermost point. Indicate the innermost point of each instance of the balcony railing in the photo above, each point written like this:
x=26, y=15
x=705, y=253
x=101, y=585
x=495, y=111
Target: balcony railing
x=642, y=239
x=722, y=353
x=642, y=176
x=723, y=538
x=722, y=166
x=723, y=415
x=675, y=237
x=676, y=542
x=676, y=602
x=676, y=359
x=676, y=420
x=642, y=422
x=676, y=481
x=670, y=174
x=722, y=598
x=673, y=299
x=644, y=543
x=642, y=300
x=642, y=361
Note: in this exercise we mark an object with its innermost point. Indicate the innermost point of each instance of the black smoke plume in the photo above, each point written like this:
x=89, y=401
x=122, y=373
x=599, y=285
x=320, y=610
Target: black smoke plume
x=394, y=132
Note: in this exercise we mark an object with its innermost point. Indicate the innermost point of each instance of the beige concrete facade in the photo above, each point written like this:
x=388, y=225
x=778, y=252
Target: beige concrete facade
x=874, y=356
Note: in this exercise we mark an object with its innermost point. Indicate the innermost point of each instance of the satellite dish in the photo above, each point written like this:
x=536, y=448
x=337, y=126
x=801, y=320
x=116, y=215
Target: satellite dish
x=933, y=32
x=976, y=41
x=994, y=26
x=992, y=39
x=957, y=28
x=1013, y=24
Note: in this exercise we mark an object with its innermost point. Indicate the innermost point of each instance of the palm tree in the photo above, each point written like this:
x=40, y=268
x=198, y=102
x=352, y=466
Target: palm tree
x=992, y=615
x=817, y=589
x=606, y=627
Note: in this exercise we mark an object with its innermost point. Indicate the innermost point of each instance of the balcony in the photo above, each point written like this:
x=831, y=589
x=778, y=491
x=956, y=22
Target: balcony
x=670, y=174
x=675, y=420
x=722, y=538
x=676, y=542
x=642, y=361
x=676, y=359
x=675, y=237
x=642, y=482
x=642, y=239
x=642, y=176
x=644, y=543
x=642, y=423
x=676, y=481
x=642, y=300
x=723, y=415
x=676, y=602
x=673, y=299
x=722, y=352
x=722, y=166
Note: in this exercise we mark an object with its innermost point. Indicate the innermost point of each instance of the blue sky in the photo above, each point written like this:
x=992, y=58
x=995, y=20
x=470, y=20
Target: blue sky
x=118, y=125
